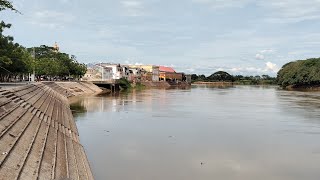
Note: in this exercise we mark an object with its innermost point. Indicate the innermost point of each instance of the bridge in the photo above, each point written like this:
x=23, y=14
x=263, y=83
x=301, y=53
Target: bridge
x=112, y=85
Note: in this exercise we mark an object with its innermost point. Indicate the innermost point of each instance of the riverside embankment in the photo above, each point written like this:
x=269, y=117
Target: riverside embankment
x=165, y=84
x=38, y=135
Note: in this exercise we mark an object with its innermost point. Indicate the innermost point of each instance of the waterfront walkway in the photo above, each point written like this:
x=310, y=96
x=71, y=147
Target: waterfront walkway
x=38, y=136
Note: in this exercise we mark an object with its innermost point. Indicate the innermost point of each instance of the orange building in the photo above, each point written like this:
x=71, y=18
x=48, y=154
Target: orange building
x=169, y=74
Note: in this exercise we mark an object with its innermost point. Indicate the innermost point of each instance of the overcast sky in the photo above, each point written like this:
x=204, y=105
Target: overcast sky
x=196, y=36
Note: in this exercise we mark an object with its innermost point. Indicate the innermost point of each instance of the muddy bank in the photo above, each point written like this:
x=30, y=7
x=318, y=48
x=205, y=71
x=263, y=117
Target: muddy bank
x=215, y=83
x=164, y=84
x=303, y=88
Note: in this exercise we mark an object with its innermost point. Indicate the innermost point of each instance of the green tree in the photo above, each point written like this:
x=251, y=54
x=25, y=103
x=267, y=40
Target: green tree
x=300, y=73
x=50, y=63
x=221, y=76
x=14, y=59
x=4, y=4
x=194, y=77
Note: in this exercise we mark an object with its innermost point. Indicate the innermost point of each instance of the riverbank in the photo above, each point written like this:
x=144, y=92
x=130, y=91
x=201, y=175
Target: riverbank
x=38, y=135
x=165, y=84
x=303, y=88
x=214, y=83
x=246, y=83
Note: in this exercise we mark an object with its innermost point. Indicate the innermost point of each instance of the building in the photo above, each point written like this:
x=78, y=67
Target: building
x=151, y=72
x=98, y=73
x=91, y=74
x=117, y=70
x=169, y=74
x=136, y=74
x=56, y=47
x=106, y=73
x=126, y=72
x=188, y=78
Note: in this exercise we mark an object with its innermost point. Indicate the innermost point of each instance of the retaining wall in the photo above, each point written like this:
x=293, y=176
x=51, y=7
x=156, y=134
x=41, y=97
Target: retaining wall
x=38, y=135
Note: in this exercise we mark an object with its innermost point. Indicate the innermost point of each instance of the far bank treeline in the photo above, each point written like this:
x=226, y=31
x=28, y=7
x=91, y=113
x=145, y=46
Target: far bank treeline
x=300, y=74
x=293, y=75
x=17, y=61
x=222, y=76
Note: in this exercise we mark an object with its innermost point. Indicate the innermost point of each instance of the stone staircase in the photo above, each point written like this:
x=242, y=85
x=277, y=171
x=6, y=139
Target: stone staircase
x=38, y=136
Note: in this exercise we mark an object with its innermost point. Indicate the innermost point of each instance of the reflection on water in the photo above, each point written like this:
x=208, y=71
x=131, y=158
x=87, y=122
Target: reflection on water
x=242, y=132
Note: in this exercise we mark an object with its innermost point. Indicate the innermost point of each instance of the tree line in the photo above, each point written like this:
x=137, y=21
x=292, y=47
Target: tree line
x=49, y=63
x=222, y=76
x=300, y=73
x=16, y=61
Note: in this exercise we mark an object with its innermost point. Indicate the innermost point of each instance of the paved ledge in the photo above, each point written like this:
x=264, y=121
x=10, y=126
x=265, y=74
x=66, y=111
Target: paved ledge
x=38, y=135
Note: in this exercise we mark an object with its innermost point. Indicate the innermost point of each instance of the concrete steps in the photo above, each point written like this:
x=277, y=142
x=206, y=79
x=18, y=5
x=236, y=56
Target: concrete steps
x=38, y=136
x=70, y=89
x=59, y=89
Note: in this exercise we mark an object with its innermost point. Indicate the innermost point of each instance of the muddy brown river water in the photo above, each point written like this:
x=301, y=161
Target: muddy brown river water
x=202, y=133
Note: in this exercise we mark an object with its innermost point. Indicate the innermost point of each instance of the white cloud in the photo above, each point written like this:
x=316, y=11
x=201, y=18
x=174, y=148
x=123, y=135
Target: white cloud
x=127, y=62
x=220, y=4
x=51, y=19
x=271, y=67
x=293, y=8
x=267, y=51
x=282, y=11
x=65, y=1
x=236, y=69
x=190, y=69
x=133, y=8
x=106, y=33
x=260, y=56
x=132, y=4
x=18, y=4
x=291, y=11
x=263, y=53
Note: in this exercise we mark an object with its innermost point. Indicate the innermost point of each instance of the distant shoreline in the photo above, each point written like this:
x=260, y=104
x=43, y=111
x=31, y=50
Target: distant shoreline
x=303, y=87
x=215, y=83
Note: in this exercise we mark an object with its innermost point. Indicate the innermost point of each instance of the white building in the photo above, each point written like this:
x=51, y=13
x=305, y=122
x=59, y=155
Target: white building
x=117, y=70
x=98, y=73
x=151, y=72
x=106, y=73
x=126, y=72
x=92, y=74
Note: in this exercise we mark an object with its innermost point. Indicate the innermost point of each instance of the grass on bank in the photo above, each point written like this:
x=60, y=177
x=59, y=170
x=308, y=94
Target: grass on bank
x=126, y=85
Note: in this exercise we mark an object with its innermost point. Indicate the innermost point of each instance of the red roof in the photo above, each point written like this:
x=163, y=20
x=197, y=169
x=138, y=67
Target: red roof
x=166, y=69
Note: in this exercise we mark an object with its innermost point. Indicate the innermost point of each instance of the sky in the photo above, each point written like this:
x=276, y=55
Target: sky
x=247, y=37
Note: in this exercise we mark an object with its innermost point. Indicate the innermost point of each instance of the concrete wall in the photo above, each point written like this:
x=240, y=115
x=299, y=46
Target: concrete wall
x=38, y=135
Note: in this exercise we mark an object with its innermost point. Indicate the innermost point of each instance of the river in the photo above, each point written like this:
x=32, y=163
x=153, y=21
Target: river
x=202, y=133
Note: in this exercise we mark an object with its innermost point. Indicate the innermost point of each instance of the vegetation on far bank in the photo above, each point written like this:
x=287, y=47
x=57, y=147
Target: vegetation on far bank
x=126, y=85
x=222, y=76
x=300, y=74
x=16, y=60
